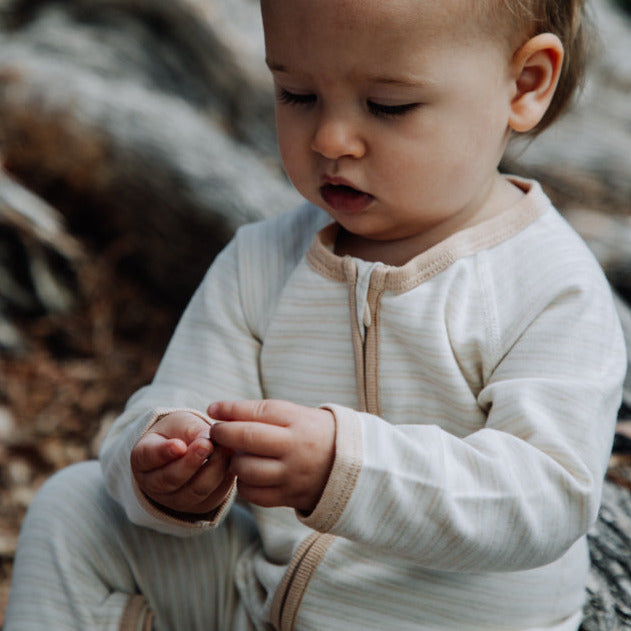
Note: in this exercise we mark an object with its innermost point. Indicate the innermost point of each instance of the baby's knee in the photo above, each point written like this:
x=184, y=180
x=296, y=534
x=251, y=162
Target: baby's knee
x=75, y=485
x=71, y=553
x=73, y=524
x=71, y=496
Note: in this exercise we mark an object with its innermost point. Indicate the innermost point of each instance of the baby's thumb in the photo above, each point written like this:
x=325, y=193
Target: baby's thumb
x=154, y=450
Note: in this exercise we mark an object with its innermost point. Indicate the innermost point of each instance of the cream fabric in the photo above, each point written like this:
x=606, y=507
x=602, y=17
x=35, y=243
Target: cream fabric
x=81, y=565
x=475, y=392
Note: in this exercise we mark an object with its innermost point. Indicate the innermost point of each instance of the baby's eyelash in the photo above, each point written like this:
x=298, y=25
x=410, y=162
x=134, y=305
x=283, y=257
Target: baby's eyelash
x=391, y=111
x=376, y=109
x=291, y=98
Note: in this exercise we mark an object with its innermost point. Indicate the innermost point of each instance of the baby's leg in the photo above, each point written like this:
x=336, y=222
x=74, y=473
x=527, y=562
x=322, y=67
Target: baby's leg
x=82, y=565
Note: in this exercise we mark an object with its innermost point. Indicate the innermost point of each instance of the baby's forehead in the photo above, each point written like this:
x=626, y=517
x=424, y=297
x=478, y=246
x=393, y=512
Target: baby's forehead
x=460, y=18
x=310, y=44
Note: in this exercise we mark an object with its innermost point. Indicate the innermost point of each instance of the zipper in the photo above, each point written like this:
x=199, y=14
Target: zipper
x=371, y=344
x=364, y=293
x=365, y=289
x=357, y=336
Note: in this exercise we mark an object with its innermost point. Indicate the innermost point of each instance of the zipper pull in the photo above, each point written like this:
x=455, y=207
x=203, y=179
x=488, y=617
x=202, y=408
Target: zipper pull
x=367, y=319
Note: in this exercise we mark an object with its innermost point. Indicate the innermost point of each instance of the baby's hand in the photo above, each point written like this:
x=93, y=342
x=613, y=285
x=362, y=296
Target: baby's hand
x=176, y=465
x=283, y=452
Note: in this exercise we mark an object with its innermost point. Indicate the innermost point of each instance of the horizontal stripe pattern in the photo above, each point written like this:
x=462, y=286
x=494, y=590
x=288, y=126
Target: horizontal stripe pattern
x=499, y=370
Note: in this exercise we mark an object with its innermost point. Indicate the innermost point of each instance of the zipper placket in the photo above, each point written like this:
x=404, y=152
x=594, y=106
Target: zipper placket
x=365, y=338
x=365, y=334
x=294, y=584
x=351, y=273
x=371, y=343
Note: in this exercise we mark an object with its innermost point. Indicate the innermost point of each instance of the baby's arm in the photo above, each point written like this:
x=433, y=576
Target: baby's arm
x=516, y=493
x=176, y=465
x=212, y=354
x=284, y=452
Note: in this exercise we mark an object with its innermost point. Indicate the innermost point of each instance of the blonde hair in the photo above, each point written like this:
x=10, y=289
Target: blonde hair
x=567, y=19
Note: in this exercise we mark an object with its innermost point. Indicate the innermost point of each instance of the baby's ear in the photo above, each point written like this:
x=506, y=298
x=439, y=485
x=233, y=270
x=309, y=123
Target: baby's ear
x=536, y=67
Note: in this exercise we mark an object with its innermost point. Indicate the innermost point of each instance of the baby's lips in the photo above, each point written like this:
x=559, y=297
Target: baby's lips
x=344, y=198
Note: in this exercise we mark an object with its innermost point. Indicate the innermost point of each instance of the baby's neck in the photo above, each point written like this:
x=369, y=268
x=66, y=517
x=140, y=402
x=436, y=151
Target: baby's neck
x=398, y=252
x=395, y=253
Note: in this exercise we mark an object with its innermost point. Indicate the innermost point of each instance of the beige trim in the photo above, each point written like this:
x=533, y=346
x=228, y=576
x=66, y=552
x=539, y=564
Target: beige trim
x=136, y=616
x=280, y=596
x=438, y=258
x=344, y=473
x=366, y=351
x=301, y=578
x=293, y=586
x=322, y=258
x=371, y=350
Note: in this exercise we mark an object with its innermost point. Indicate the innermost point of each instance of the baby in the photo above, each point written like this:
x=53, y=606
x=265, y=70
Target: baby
x=411, y=381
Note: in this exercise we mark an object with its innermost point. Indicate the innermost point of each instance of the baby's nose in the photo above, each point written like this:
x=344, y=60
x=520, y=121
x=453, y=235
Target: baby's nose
x=336, y=138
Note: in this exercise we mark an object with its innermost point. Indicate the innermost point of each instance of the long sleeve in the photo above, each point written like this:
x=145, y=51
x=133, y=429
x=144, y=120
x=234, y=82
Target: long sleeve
x=475, y=392
x=519, y=491
x=213, y=354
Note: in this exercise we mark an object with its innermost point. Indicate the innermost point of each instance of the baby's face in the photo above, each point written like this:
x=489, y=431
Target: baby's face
x=391, y=116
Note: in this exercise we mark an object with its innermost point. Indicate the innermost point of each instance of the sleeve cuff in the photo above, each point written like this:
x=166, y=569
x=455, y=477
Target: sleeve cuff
x=344, y=473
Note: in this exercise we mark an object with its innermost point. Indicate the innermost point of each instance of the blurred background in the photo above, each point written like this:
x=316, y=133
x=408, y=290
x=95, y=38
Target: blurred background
x=135, y=137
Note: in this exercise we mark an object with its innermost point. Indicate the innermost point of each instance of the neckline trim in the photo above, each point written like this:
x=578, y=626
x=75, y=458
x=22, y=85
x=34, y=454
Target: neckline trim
x=440, y=256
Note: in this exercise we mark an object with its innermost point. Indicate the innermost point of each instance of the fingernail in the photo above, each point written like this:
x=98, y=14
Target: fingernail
x=202, y=452
x=213, y=408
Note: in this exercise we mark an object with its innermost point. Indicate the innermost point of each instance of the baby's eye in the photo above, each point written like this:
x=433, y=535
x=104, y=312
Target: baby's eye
x=390, y=111
x=292, y=98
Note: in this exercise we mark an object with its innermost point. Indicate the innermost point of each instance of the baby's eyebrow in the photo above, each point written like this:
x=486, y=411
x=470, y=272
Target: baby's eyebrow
x=402, y=81
x=275, y=67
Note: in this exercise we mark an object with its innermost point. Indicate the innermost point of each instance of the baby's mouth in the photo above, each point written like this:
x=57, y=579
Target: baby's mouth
x=345, y=198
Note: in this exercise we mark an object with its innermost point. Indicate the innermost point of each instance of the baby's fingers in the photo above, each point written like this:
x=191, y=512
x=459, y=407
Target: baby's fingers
x=212, y=478
x=176, y=473
x=251, y=437
x=204, y=491
x=270, y=411
x=256, y=471
x=154, y=450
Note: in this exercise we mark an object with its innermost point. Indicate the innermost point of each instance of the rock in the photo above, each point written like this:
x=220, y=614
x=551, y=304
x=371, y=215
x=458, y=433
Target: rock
x=609, y=588
x=164, y=133
x=8, y=542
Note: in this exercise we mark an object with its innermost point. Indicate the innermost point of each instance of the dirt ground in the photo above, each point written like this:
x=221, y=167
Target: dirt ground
x=59, y=396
